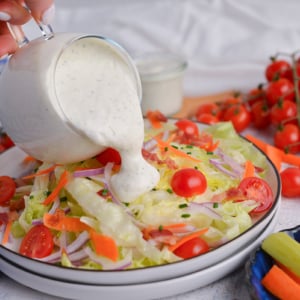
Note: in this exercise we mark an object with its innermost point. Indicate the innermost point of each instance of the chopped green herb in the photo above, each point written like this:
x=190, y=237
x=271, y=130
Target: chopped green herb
x=62, y=199
x=170, y=191
x=160, y=227
x=185, y=215
x=166, y=149
x=183, y=205
x=174, y=146
x=215, y=205
x=104, y=192
x=189, y=146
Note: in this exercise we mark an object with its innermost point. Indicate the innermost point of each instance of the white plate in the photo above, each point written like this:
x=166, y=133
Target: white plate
x=11, y=164
x=143, y=291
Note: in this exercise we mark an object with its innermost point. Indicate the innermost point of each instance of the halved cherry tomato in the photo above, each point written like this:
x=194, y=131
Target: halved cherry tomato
x=239, y=116
x=188, y=182
x=191, y=248
x=259, y=190
x=189, y=128
x=290, y=178
x=276, y=69
x=109, y=155
x=7, y=189
x=37, y=243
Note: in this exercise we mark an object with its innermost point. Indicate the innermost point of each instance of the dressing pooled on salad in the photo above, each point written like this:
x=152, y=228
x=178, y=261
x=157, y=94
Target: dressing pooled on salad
x=98, y=96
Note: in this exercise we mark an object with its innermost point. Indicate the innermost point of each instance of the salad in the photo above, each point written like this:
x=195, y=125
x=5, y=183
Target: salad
x=211, y=190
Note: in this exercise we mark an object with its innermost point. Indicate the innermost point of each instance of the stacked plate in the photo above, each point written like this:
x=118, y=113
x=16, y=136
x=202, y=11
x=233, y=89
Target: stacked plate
x=147, y=283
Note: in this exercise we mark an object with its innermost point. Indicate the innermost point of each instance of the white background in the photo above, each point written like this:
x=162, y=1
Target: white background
x=227, y=43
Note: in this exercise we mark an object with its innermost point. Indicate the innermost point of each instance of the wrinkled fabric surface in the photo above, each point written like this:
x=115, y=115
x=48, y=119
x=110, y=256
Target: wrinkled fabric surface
x=227, y=43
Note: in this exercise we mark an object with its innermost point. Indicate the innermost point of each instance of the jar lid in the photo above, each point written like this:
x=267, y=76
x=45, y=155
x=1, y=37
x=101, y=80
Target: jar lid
x=160, y=66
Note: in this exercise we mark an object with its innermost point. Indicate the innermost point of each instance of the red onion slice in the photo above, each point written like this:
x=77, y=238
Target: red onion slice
x=204, y=209
x=88, y=172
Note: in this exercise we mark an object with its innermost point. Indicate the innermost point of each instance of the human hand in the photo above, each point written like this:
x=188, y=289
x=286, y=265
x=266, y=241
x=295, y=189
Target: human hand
x=13, y=11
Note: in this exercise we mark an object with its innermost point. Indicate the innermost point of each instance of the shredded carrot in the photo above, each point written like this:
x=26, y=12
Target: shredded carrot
x=7, y=232
x=63, y=180
x=59, y=221
x=249, y=169
x=29, y=159
x=291, y=159
x=280, y=284
x=174, y=226
x=41, y=172
x=164, y=146
x=275, y=155
x=156, y=118
x=104, y=245
x=187, y=238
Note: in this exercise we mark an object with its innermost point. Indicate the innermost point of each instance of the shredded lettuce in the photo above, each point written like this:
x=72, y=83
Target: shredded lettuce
x=126, y=222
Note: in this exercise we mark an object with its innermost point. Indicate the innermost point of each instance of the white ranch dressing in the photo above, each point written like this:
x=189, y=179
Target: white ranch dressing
x=98, y=96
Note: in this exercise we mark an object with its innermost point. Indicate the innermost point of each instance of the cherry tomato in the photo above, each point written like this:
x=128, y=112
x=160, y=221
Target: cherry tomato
x=289, y=74
x=287, y=137
x=37, y=243
x=281, y=89
x=207, y=118
x=188, y=182
x=256, y=95
x=239, y=116
x=283, y=110
x=6, y=141
x=109, y=155
x=7, y=189
x=276, y=69
x=290, y=179
x=191, y=248
x=260, y=114
x=259, y=190
x=208, y=108
x=189, y=128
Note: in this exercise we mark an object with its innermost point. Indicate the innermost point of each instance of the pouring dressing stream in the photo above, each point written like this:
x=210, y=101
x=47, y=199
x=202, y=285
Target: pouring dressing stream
x=68, y=98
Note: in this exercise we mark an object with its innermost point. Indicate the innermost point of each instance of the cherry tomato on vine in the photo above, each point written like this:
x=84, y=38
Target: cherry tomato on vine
x=188, y=127
x=256, y=95
x=290, y=179
x=37, y=243
x=188, y=182
x=239, y=116
x=207, y=118
x=283, y=110
x=7, y=189
x=208, y=108
x=287, y=137
x=109, y=155
x=259, y=190
x=191, y=248
x=281, y=89
x=276, y=69
x=260, y=112
x=289, y=74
